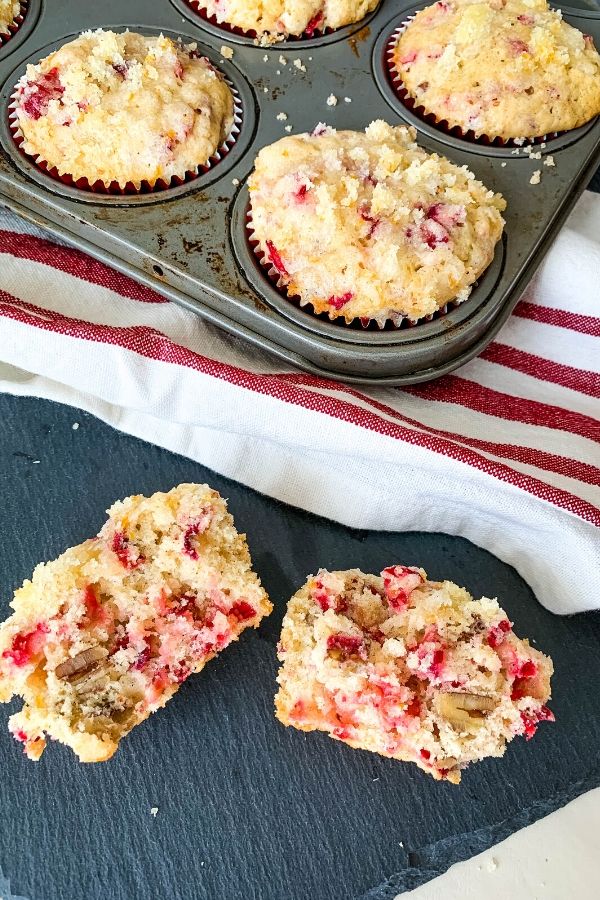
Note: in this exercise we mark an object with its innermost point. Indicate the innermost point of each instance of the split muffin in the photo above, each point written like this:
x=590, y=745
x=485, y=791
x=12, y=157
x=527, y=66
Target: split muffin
x=415, y=670
x=369, y=225
x=280, y=18
x=123, y=108
x=104, y=635
x=503, y=68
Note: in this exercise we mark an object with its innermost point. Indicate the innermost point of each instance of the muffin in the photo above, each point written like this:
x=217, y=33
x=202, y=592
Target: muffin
x=123, y=108
x=104, y=635
x=9, y=10
x=415, y=670
x=280, y=18
x=369, y=225
x=506, y=68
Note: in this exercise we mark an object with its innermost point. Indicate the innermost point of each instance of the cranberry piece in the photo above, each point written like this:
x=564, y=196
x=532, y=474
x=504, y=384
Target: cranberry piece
x=408, y=58
x=517, y=46
x=398, y=583
x=338, y=302
x=425, y=753
x=433, y=236
x=448, y=215
x=326, y=599
x=414, y=707
x=341, y=733
x=142, y=660
x=438, y=663
x=525, y=19
x=124, y=551
x=38, y=94
x=301, y=193
x=314, y=24
x=242, y=610
x=181, y=672
x=497, y=633
x=184, y=604
x=366, y=215
x=196, y=528
x=528, y=669
x=347, y=644
x=276, y=259
x=121, y=69
x=531, y=720
x=20, y=735
x=25, y=645
x=92, y=604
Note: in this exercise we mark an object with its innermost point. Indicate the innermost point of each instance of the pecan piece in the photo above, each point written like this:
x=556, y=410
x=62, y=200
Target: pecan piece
x=82, y=663
x=463, y=709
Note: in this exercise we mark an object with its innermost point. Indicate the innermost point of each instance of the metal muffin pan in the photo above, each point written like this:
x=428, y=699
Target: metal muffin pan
x=190, y=242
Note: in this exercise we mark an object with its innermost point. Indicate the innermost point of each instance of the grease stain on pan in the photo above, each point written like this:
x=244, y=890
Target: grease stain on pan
x=359, y=38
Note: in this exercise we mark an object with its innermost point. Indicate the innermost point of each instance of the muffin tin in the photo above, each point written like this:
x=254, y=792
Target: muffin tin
x=190, y=242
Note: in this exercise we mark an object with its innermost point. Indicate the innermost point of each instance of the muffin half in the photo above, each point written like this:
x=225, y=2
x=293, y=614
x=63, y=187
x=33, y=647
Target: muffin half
x=412, y=669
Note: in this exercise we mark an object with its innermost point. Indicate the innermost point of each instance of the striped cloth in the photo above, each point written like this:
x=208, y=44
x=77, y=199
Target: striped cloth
x=504, y=452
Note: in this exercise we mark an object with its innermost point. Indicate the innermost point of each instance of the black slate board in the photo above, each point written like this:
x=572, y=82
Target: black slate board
x=248, y=809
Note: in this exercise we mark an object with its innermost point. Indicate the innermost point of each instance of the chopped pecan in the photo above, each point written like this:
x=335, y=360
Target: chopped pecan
x=82, y=663
x=463, y=709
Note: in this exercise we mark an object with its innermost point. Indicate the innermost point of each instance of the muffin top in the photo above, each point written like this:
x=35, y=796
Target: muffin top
x=282, y=17
x=369, y=225
x=504, y=68
x=123, y=108
x=9, y=10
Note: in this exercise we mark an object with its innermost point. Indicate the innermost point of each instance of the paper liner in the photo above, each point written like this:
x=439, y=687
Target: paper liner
x=131, y=188
x=384, y=322
x=14, y=26
x=200, y=10
x=395, y=79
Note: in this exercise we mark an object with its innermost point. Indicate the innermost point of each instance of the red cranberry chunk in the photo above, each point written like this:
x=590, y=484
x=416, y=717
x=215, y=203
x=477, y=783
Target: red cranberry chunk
x=314, y=24
x=341, y=300
x=26, y=645
x=398, y=583
x=121, y=69
x=531, y=720
x=347, y=644
x=276, y=259
x=126, y=552
x=194, y=529
x=498, y=632
x=37, y=95
x=242, y=610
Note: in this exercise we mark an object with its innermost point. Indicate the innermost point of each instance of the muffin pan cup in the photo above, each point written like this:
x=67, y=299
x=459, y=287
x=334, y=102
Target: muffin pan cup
x=190, y=242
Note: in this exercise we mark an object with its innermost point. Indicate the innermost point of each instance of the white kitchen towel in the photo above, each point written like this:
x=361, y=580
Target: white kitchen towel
x=505, y=452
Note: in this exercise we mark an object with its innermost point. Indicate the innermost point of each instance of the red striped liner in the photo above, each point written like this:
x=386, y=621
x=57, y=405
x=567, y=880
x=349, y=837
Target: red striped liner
x=14, y=26
x=153, y=345
x=561, y=318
